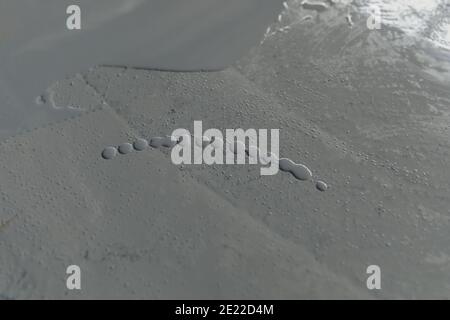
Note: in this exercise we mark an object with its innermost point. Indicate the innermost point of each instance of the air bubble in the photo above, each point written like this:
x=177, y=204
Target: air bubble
x=156, y=142
x=299, y=171
x=316, y=6
x=285, y=164
x=322, y=186
x=109, y=153
x=140, y=144
x=169, y=142
x=125, y=148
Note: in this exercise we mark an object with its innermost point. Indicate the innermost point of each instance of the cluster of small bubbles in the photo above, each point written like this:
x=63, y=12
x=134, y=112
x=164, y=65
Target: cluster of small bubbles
x=299, y=171
x=138, y=145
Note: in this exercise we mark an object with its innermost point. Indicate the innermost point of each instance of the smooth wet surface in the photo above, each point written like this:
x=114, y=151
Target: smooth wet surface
x=37, y=50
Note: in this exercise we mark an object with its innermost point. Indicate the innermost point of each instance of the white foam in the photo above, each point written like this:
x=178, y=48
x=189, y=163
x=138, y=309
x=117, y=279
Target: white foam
x=427, y=19
x=424, y=19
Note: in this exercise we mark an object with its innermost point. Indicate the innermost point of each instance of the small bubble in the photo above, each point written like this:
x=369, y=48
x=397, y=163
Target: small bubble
x=109, y=153
x=301, y=172
x=322, y=186
x=316, y=6
x=169, y=142
x=125, y=148
x=156, y=142
x=140, y=144
x=285, y=164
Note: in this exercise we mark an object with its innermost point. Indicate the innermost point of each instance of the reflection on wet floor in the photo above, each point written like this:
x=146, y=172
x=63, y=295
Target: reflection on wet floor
x=407, y=24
